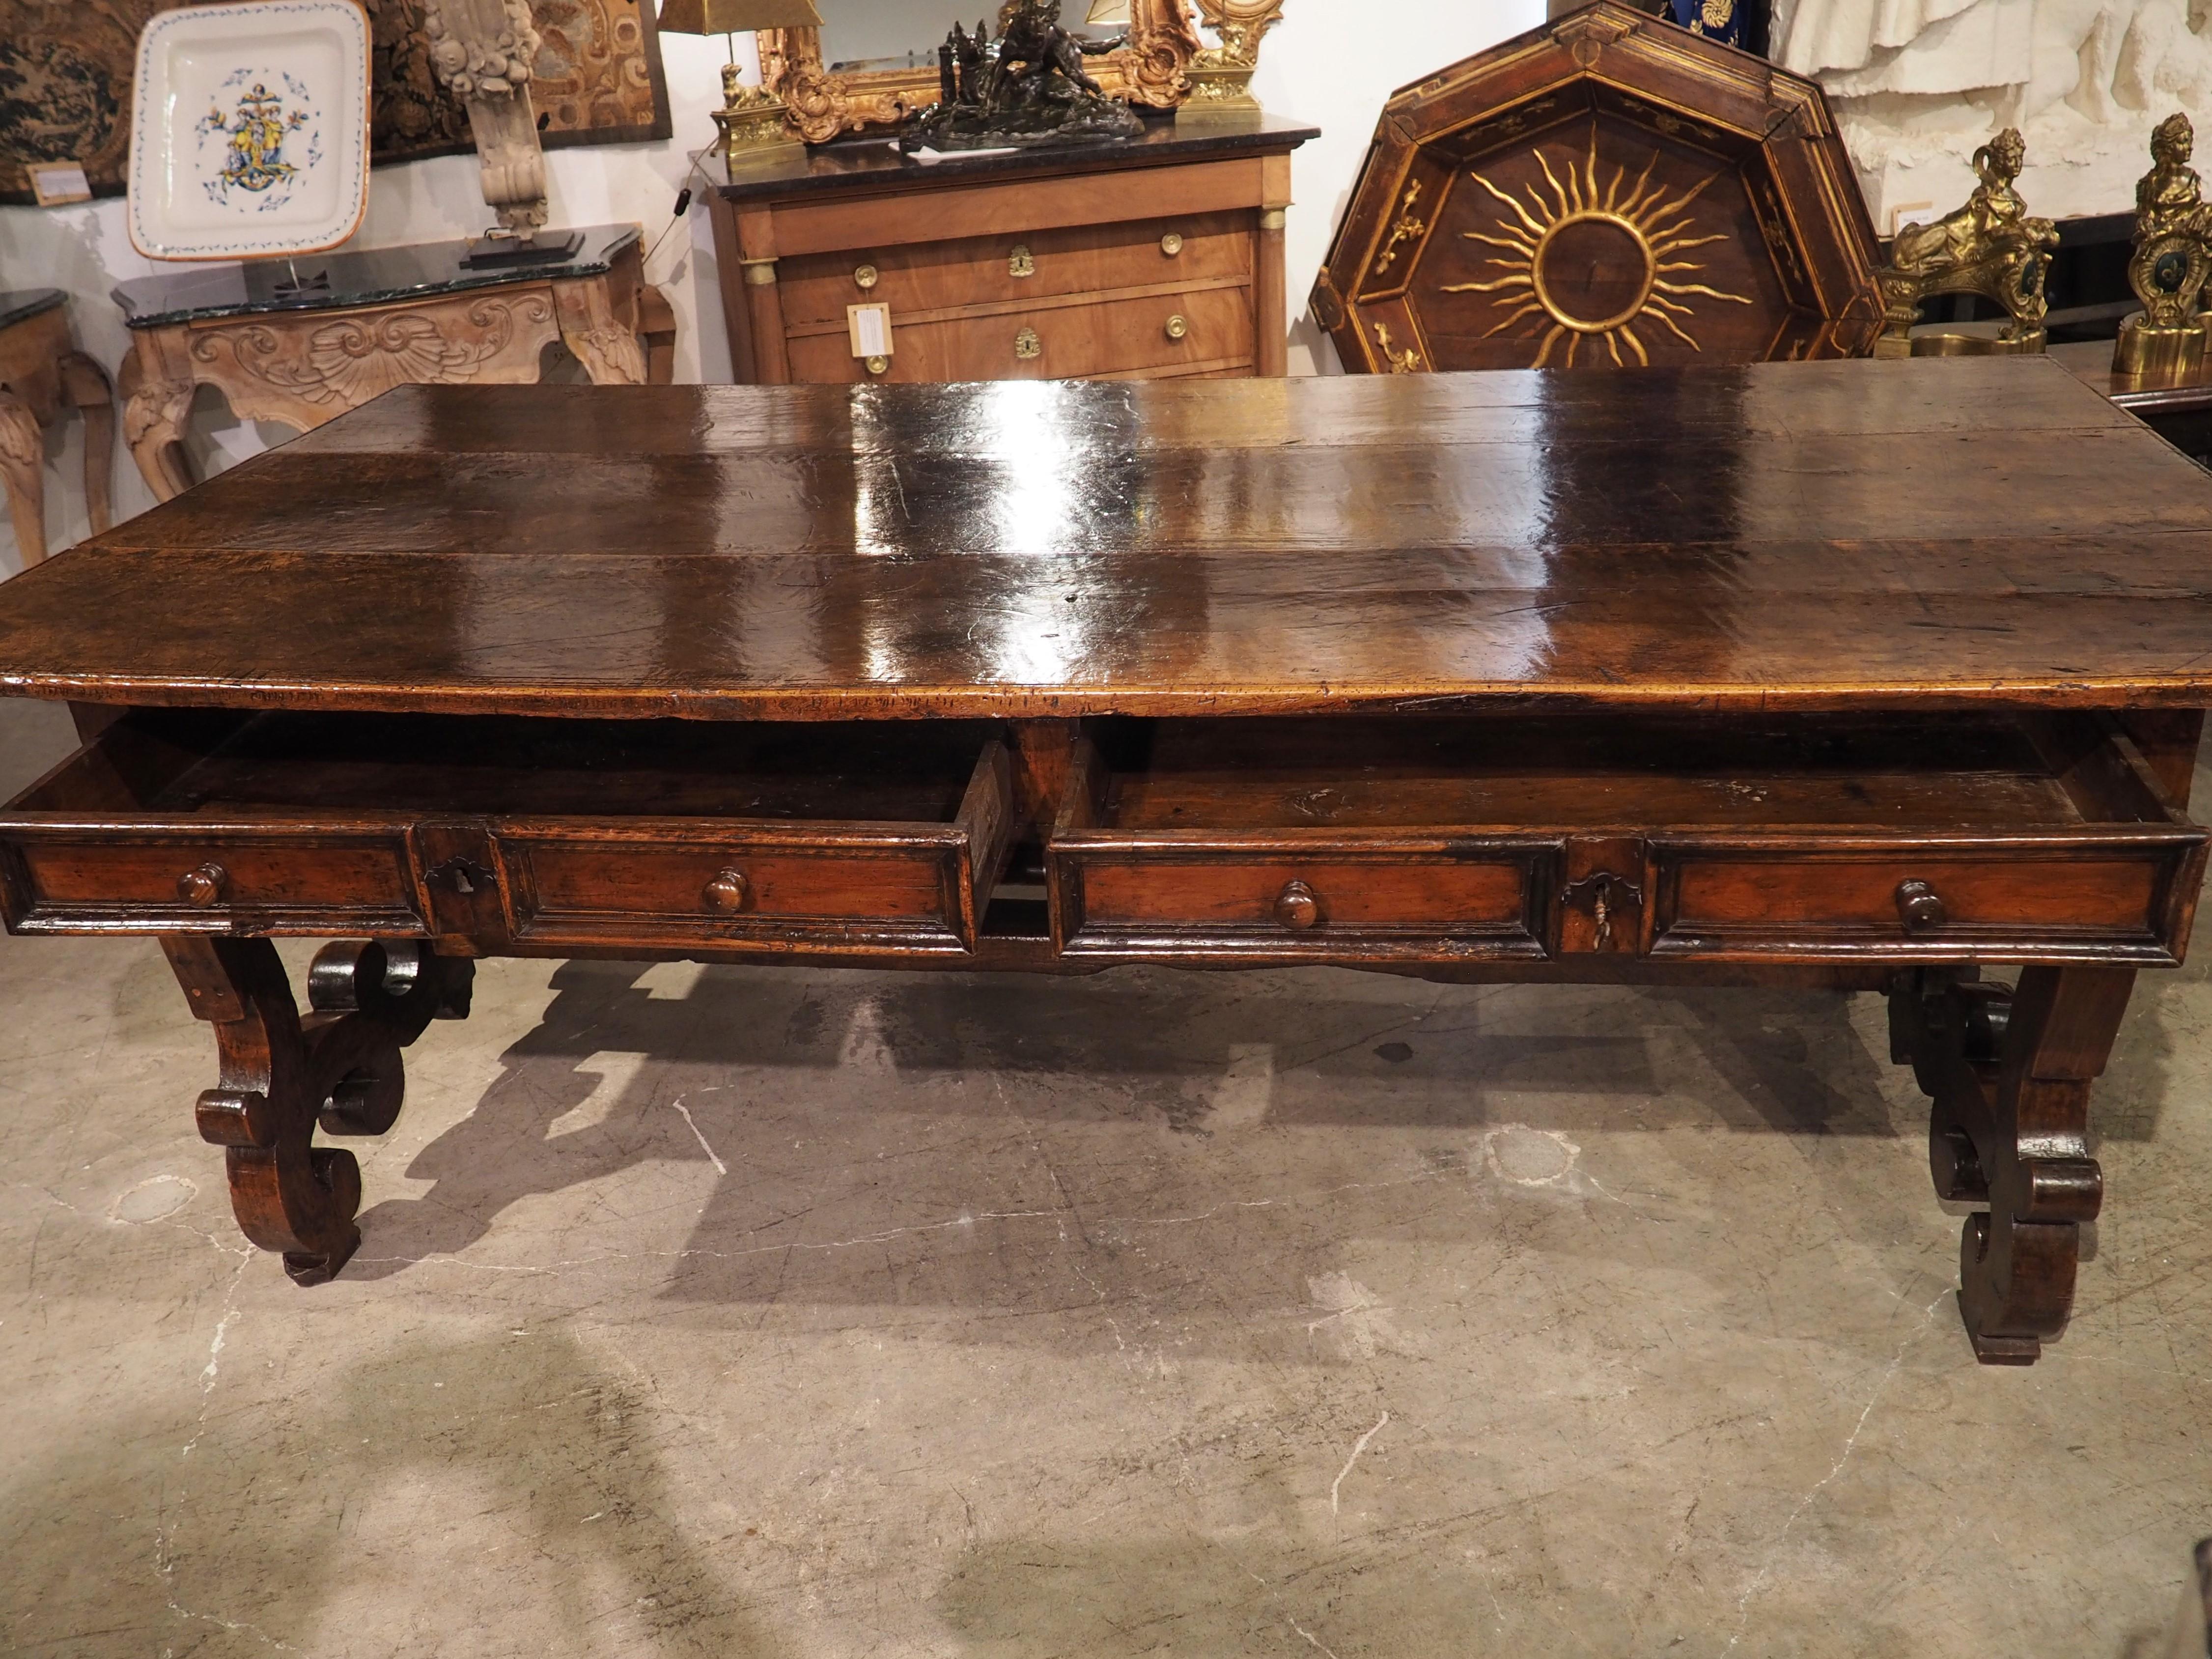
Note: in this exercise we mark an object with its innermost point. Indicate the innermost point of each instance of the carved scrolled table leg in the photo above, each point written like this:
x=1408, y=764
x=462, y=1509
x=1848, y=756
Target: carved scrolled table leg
x=155, y=411
x=2010, y=1074
x=86, y=382
x=22, y=476
x=282, y=1076
x=610, y=352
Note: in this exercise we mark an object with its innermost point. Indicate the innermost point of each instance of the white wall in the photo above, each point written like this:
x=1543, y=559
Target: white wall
x=1329, y=64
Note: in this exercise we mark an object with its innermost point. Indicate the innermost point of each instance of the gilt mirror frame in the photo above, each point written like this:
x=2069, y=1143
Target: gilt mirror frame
x=1149, y=70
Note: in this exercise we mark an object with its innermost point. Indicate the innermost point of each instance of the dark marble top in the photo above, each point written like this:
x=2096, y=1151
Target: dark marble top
x=364, y=276
x=27, y=302
x=871, y=163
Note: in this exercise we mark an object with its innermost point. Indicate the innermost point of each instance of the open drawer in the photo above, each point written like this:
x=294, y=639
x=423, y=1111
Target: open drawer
x=846, y=839
x=1808, y=839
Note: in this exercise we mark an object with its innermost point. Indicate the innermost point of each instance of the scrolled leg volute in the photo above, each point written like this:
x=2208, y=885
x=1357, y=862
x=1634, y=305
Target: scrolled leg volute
x=282, y=1076
x=2008, y=1072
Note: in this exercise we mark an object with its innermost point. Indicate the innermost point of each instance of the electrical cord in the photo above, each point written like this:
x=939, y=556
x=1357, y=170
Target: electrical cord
x=683, y=204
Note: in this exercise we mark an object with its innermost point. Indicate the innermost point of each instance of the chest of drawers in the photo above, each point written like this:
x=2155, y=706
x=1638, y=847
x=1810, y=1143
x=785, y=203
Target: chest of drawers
x=1158, y=258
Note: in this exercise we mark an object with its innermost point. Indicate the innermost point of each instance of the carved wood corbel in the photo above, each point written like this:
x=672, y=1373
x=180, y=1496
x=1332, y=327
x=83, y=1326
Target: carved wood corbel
x=482, y=52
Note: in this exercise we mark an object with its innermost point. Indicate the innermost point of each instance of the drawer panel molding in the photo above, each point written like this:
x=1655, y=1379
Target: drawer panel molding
x=2099, y=896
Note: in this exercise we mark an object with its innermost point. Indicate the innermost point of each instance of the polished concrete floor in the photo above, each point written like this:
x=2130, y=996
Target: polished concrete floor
x=821, y=1313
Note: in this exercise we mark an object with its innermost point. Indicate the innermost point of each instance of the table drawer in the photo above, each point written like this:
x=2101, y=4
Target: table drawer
x=1808, y=839
x=155, y=876
x=2099, y=895
x=485, y=832
x=1298, y=899
x=1156, y=885
x=785, y=886
x=1017, y=268
x=1185, y=330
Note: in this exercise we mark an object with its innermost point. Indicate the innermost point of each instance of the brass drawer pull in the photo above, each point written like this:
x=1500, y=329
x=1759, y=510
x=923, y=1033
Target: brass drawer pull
x=202, y=887
x=866, y=275
x=1298, y=905
x=729, y=892
x=1019, y=261
x=1176, y=327
x=878, y=365
x=1027, y=345
x=1919, y=906
x=1172, y=244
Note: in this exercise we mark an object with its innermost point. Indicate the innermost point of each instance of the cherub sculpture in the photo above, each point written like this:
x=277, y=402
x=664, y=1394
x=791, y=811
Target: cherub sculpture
x=1033, y=45
x=1030, y=86
x=1991, y=246
x=2171, y=261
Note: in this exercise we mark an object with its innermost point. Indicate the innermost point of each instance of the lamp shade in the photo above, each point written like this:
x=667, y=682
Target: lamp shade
x=737, y=16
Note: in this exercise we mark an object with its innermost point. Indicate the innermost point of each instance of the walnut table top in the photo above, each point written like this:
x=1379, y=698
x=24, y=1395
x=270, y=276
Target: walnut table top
x=1799, y=535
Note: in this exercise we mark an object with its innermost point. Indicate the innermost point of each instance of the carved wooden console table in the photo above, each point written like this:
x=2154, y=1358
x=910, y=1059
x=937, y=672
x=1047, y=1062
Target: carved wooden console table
x=379, y=318
x=1871, y=676
x=41, y=372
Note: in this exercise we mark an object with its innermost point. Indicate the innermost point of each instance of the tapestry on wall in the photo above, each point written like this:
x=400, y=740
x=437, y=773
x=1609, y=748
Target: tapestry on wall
x=65, y=76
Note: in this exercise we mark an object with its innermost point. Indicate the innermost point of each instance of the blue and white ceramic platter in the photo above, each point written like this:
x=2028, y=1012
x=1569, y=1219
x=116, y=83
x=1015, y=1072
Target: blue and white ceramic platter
x=249, y=130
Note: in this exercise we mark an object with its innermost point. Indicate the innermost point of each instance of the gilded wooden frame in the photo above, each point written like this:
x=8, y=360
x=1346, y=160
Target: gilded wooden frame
x=1151, y=71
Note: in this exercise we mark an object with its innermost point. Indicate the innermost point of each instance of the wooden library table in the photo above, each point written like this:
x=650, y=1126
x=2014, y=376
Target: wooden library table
x=1860, y=675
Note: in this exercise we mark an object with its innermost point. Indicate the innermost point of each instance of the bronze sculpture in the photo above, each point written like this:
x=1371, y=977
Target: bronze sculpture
x=1028, y=87
x=2172, y=259
x=1991, y=246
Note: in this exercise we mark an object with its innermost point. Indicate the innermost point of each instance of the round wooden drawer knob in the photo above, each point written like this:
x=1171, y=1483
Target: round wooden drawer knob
x=1919, y=906
x=729, y=892
x=866, y=275
x=1177, y=327
x=1298, y=905
x=1172, y=244
x=203, y=886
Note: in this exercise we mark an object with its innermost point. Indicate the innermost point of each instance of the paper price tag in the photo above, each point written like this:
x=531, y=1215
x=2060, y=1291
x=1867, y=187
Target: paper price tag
x=55, y=183
x=870, y=329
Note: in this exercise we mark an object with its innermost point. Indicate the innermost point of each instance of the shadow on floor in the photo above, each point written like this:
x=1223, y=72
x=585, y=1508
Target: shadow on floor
x=250, y=1537
x=1052, y=1150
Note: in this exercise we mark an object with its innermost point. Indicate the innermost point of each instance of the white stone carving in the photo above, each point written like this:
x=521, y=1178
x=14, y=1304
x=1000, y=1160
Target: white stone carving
x=1918, y=84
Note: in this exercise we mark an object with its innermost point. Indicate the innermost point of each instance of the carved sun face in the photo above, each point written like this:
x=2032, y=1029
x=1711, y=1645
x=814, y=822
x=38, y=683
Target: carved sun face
x=1596, y=260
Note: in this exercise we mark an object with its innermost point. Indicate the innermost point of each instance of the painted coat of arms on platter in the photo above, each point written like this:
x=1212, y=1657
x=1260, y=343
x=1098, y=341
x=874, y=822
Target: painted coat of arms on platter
x=251, y=138
x=250, y=130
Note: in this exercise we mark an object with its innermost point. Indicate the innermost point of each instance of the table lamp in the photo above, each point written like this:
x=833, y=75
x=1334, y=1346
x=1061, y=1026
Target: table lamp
x=751, y=119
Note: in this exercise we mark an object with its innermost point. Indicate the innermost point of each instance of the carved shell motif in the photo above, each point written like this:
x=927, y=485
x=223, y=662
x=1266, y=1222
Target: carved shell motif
x=350, y=362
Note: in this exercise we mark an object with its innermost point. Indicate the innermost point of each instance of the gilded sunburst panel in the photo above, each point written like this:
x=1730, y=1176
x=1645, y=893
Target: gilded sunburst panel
x=1599, y=244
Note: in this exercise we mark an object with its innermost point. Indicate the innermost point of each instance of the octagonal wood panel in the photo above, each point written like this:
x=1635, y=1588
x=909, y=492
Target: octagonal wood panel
x=1606, y=190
